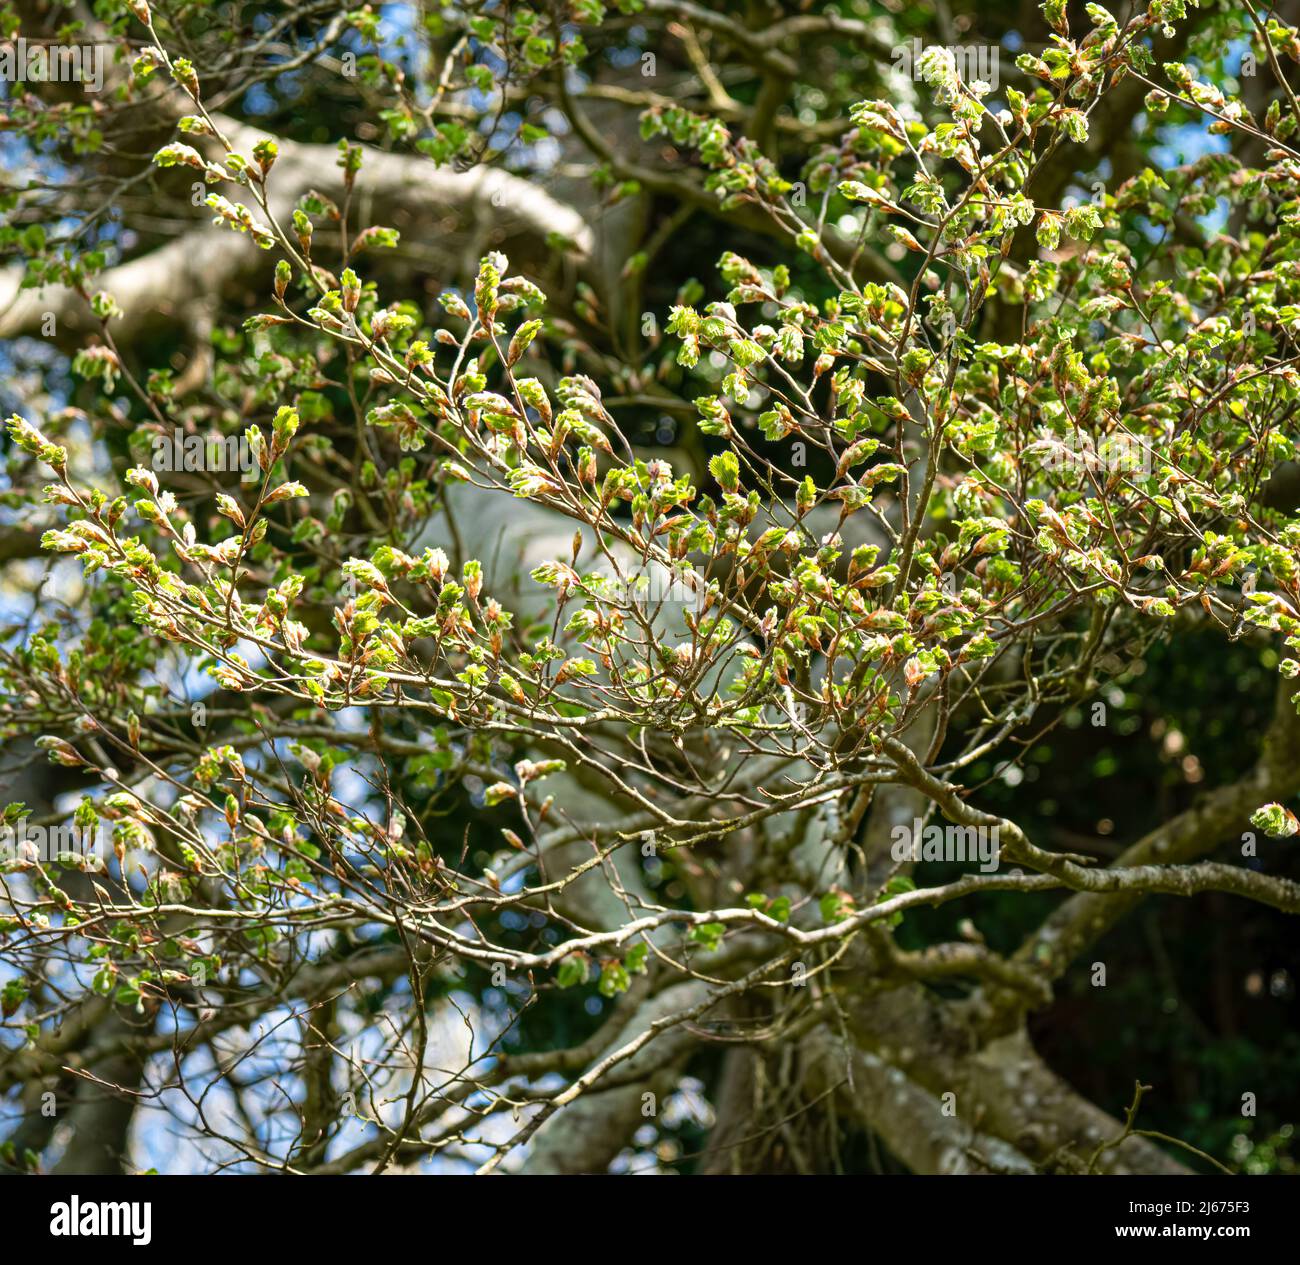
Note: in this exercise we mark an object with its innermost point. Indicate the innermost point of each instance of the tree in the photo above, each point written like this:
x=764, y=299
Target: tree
x=507, y=674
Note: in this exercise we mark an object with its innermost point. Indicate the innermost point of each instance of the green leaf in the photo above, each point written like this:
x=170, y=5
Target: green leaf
x=708, y=935
x=573, y=970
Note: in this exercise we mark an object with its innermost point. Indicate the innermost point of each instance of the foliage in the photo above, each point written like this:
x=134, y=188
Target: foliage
x=953, y=450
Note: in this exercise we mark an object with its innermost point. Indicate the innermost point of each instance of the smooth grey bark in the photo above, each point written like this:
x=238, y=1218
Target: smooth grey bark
x=208, y=262
x=587, y=1134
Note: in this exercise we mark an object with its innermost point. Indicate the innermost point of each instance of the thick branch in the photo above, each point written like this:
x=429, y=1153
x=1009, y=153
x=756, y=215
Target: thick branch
x=207, y=261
